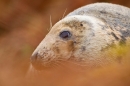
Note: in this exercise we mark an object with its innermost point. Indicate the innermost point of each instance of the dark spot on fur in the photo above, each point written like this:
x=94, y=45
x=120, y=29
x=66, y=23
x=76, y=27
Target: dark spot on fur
x=111, y=28
x=103, y=12
x=123, y=38
x=83, y=48
x=74, y=42
x=109, y=33
x=125, y=33
x=81, y=24
x=103, y=28
x=81, y=31
x=122, y=41
x=113, y=34
x=92, y=34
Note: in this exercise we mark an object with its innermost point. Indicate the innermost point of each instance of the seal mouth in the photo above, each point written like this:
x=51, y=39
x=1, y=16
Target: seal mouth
x=38, y=63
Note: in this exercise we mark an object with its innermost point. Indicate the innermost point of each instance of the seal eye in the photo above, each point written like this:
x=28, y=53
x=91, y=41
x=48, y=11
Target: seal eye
x=65, y=34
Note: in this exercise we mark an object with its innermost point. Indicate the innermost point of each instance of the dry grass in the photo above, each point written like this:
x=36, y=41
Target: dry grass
x=116, y=74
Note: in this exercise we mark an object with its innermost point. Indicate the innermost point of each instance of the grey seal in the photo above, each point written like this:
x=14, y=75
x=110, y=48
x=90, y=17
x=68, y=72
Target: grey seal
x=84, y=35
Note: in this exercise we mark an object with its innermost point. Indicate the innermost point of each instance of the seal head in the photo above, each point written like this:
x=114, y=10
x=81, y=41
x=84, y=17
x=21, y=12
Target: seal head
x=77, y=38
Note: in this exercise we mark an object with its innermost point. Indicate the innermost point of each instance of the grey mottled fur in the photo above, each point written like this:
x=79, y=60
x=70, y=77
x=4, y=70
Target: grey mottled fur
x=116, y=16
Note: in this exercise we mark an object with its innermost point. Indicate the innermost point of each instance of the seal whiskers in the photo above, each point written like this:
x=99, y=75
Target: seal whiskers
x=64, y=13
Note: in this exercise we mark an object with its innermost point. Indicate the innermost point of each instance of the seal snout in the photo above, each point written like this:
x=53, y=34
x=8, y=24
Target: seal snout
x=39, y=62
x=35, y=62
x=34, y=57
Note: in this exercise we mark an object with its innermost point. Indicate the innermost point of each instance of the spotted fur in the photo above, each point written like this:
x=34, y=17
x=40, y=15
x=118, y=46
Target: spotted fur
x=94, y=28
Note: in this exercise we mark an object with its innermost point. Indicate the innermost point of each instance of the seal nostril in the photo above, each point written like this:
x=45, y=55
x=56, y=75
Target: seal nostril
x=34, y=57
x=36, y=63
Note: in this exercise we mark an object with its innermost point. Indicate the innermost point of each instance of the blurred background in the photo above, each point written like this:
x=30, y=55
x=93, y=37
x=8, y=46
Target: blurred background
x=23, y=24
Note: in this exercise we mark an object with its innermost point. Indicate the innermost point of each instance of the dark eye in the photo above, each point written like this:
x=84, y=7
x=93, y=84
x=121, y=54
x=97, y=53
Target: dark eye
x=65, y=34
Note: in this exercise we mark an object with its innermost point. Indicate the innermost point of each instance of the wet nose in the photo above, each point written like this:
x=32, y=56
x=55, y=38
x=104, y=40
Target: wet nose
x=34, y=57
x=36, y=63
